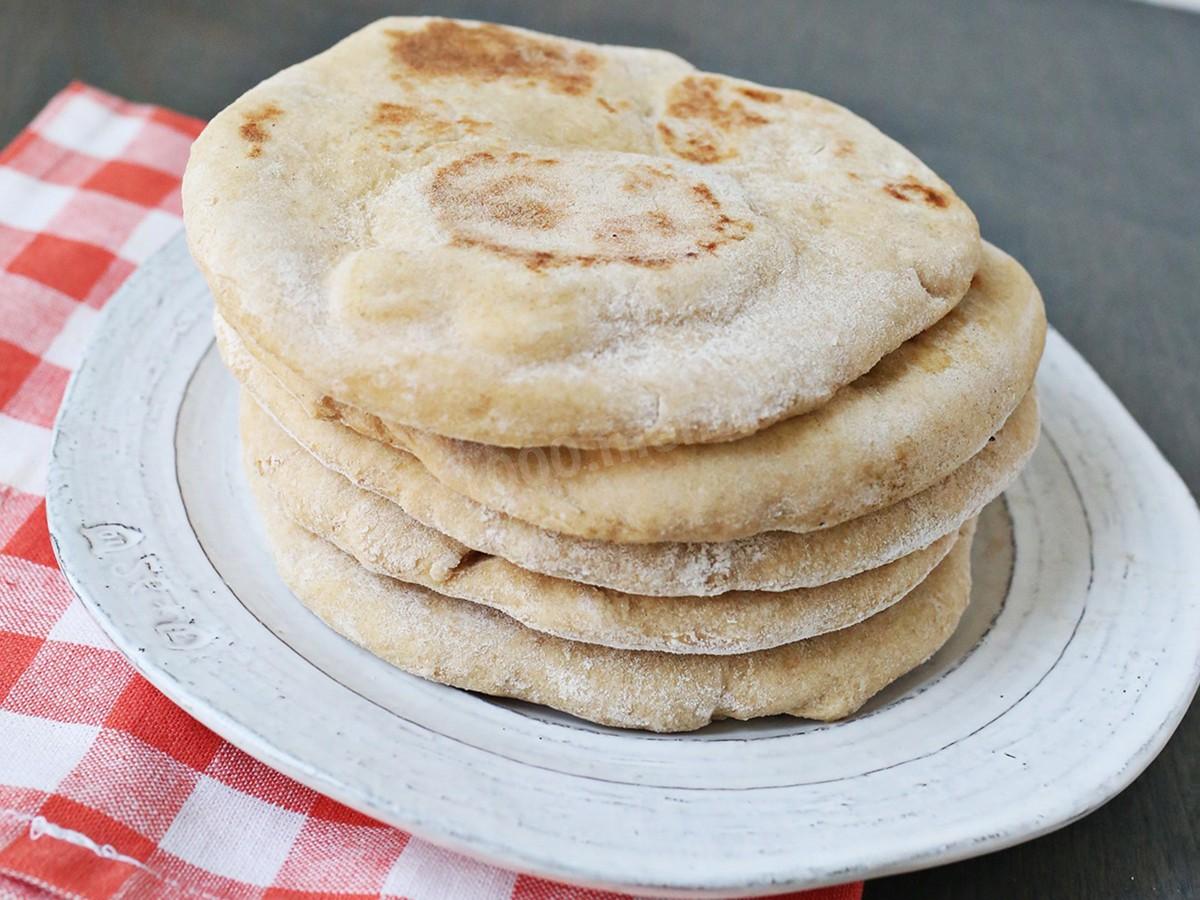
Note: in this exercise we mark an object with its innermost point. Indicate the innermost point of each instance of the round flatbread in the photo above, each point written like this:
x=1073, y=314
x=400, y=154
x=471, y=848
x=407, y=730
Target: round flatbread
x=523, y=240
x=383, y=539
x=926, y=409
x=772, y=561
x=474, y=647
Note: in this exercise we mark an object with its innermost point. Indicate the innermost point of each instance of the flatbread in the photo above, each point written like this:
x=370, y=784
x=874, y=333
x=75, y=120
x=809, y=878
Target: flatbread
x=909, y=423
x=383, y=539
x=474, y=647
x=773, y=561
x=919, y=414
x=523, y=240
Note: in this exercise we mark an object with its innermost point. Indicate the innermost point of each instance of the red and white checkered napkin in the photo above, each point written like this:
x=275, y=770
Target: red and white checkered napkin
x=106, y=788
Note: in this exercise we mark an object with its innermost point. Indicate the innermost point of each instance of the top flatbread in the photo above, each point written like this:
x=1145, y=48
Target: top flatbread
x=522, y=240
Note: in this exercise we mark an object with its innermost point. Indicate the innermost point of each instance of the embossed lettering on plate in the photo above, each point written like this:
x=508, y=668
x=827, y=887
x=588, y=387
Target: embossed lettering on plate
x=145, y=577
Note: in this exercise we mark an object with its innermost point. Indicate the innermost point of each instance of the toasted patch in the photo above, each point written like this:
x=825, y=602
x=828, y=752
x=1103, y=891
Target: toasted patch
x=447, y=49
x=255, y=128
x=527, y=208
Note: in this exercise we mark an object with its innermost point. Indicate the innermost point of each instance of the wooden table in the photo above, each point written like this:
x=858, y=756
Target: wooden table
x=1072, y=128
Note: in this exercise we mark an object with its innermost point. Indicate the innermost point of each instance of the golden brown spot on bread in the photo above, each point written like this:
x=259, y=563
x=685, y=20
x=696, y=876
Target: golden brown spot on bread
x=510, y=201
x=911, y=189
x=660, y=221
x=511, y=198
x=446, y=49
x=326, y=408
x=626, y=230
x=734, y=228
x=760, y=95
x=501, y=203
x=396, y=114
x=704, y=192
x=472, y=126
x=253, y=127
x=698, y=97
x=520, y=156
x=709, y=119
x=403, y=125
x=694, y=148
x=253, y=131
x=843, y=147
x=605, y=105
x=933, y=359
x=642, y=178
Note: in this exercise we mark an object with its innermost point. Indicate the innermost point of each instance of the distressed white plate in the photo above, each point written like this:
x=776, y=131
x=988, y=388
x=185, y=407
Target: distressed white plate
x=1076, y=660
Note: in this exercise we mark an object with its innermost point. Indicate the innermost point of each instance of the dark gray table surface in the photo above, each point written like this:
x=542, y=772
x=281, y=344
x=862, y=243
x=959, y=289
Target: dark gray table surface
x=1072, y=129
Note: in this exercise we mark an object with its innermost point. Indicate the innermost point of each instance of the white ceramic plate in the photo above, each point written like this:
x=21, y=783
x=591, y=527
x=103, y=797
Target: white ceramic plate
x=1073, y=665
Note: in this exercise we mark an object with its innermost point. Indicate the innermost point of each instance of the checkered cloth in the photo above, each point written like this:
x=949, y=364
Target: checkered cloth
x=106, y=788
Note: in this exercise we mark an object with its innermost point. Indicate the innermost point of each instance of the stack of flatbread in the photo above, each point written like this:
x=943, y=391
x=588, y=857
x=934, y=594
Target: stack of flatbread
x=574, y=374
